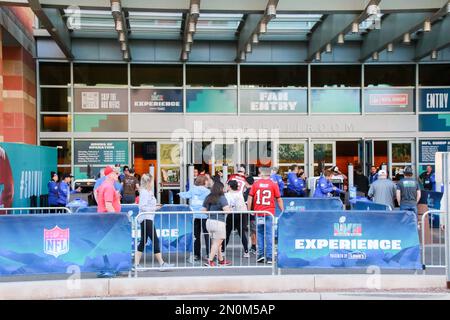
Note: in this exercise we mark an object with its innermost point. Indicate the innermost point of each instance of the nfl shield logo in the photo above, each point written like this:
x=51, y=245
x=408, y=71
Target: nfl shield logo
x=56, y=241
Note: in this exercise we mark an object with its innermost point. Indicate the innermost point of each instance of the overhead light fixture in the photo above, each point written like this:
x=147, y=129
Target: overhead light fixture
x=328, y=48
x=184, y=56
x=271, y=11
x=123, y=46
x=255, y=38
x=262, y=27
x=373, y=9
x=189, y=38
x=126, y=55
x=119, y=25
x=355, y=27
x=390, y=47
x=248, y=48
x=434, y=55
x=242, y=56
x=407, y=38
x=187, y=47
x=340, y=39
x=116, y=10
x=191, y=27
x=195, y=10
x=427, y=26
x=121, y=36
x=317, y=57
x=375, y=56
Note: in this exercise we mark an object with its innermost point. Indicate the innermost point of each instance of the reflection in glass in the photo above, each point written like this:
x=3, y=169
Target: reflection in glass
x=64, y=150
x=260, y=153
x=291, y=153
x=224, y=153
x=401, y=153
x=169, y=153
x=55, y=123
x=55, y=99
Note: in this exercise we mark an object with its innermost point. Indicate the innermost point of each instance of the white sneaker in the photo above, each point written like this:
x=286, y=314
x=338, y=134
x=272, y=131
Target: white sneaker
x=191, y=259
x=165, y=266
x=246, y=254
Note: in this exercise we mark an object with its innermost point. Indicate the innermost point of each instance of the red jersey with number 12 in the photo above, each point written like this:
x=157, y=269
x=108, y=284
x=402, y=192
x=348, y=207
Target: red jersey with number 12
x=264, y=193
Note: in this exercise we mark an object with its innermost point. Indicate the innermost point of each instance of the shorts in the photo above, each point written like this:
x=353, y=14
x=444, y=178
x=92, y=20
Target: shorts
x=216, y=229
x=252, y=224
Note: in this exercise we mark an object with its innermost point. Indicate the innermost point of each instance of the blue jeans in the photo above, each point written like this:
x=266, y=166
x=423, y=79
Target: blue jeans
x=409, y=208
x=264, y=237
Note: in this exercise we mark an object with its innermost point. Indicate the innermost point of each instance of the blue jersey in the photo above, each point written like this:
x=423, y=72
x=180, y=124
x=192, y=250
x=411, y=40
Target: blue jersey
x=279, y=181
x=52, y=193
x=324, y=188
x=373, y=178
x=295, y=184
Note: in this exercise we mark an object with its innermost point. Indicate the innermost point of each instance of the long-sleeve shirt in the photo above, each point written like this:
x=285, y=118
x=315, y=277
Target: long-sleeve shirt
x=278, y=180
x=296, y=184
x=52, y=193
x=63, y=193
x=324, y=188
x=197, y=194
x=147, y=203
x=383, y=191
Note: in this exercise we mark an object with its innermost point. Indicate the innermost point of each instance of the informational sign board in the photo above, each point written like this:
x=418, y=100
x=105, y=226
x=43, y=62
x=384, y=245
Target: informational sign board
x=100, y=100
x=211, y=101
x=428, y=149
x=96, y=152
x=156, y=100
x=257, y=101
x=434, y=100
x=389, y=100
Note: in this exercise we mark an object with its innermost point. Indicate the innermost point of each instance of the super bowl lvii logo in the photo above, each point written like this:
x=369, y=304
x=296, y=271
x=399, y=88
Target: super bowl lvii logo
x=56, y=241
x=343, y=229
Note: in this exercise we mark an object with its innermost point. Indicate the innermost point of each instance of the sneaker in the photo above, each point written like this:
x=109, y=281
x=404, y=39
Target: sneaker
x=253, y=251
x=193, y=259
x=225, y=262
x=246, y=255
x=210, y=263
x=261, y=259
x=269, y=261
x=165, y=266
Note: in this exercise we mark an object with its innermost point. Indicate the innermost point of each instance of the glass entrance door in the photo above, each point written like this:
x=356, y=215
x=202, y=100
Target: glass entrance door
x=259, y=154
x=400, y=155
x=323, y=156
x=170, y=173
x=289, y=153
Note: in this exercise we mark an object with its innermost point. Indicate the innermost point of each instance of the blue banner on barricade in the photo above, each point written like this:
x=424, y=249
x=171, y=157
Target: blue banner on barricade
x=62, y=243
x=348, y=239
x=175, y=231
x=302, y=204
x=131, y=209
x=369, y=206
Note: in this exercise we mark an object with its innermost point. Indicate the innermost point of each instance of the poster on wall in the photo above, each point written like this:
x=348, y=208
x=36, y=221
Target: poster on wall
x=100, y=100
x=434, y=100
x=96, y=152
x=156, y=100
x=335, y=100
x=428, y=149
x=389, y=100
x=279, y=101
x=211, y=101
x=434, y=122
x=24, y=172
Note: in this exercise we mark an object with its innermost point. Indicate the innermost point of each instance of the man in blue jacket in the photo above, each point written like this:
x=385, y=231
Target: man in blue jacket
x=64, y=191
x=324, y=187
x=275, y=177
x=296, y=186
x=53, y=190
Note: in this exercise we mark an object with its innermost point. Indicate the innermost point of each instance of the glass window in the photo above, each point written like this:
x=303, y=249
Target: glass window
x=55, y=99
x=100, y=123
x=169, y=154
x=389, y=75
x=157, y=75
x=64, y=170
x=100, y=74
x=336, y=76
x=401, y=153
x=260, y=154
x=224, y=153
x=64, y=148
x=290, y=153
x=274, y=76
x=323, y=157
x=55, y=123
x=202, y=153
x=211, y=75
x=54, y=73
x=428, y=74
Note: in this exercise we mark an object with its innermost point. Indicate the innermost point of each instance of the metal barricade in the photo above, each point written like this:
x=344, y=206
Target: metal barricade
x=176, y=232
x=35, y=210
x=433, y=240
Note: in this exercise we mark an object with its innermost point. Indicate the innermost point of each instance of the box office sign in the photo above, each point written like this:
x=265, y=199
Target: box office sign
x=274, y=101
x=389, y=100
x=100, y=100
x=101, y=152
x=153, y=100
x=434, y=100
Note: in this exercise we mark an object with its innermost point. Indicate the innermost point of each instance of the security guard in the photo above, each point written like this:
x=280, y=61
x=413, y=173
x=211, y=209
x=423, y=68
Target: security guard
x=324, y=187
x=275, y=177
x=52, y=187
x=296, y=186
x=428, y=179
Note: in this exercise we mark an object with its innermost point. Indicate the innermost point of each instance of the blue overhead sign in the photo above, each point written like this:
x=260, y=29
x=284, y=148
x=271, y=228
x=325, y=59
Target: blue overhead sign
x=434, y=100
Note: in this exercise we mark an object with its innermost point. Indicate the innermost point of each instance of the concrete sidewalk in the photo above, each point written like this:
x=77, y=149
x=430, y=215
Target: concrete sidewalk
x=164, y=286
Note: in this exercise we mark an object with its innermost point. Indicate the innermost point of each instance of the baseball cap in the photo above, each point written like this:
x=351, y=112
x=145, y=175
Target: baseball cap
x=241, y=169
x=109, y=170
x=408, y=170
x=336, y=169
x=66, y=175
x=382, y=172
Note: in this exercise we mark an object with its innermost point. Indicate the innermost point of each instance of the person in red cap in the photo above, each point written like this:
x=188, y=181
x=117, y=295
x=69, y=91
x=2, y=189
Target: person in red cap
x=108, y=199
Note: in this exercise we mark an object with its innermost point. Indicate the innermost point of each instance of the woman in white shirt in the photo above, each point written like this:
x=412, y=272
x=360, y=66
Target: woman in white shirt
x=147, y=203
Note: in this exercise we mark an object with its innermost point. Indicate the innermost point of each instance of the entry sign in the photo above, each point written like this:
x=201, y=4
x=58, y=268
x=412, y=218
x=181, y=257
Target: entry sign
x=101, y=152
x=348, y=239
x=274, y=101
x=428, y=149
x=434, y=100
